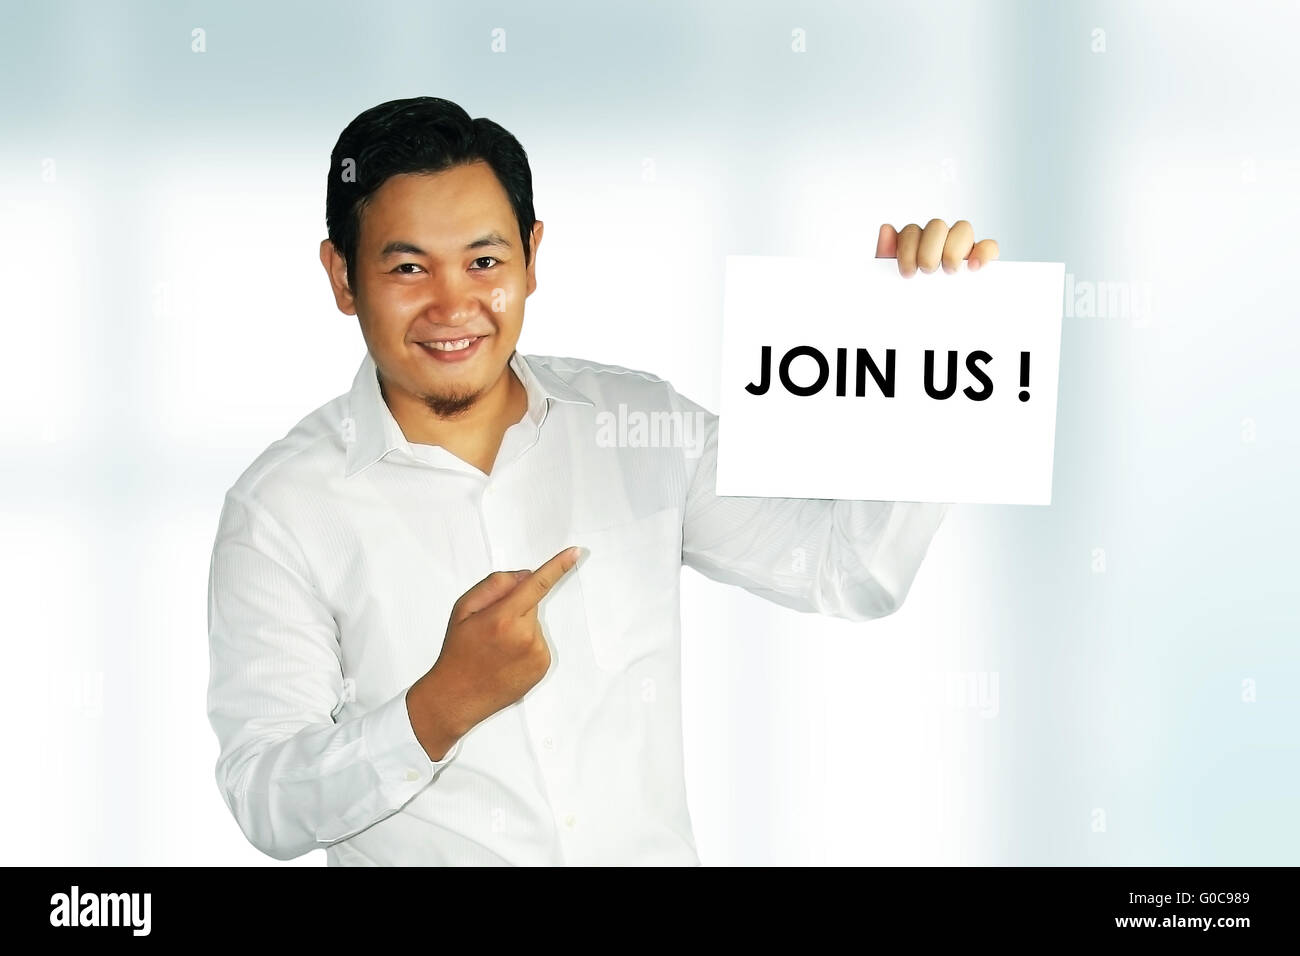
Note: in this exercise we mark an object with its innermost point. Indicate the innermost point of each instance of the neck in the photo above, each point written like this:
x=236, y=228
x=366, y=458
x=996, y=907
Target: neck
x=474, y=436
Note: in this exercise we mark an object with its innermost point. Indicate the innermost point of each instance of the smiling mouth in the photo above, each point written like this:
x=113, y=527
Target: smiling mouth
x=452, y=345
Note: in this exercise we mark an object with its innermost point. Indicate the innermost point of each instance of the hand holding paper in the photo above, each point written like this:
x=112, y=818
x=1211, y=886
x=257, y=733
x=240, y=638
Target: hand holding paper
x=926, y=249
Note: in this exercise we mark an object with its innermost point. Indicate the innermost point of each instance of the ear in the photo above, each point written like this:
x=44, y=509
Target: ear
x=532, y=262
x=337, y=270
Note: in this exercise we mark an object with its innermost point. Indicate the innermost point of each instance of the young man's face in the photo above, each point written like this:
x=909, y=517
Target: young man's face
x=439, y=260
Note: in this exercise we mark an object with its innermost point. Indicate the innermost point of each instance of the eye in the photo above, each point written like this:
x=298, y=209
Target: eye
x=403, y=265
x=493, y=259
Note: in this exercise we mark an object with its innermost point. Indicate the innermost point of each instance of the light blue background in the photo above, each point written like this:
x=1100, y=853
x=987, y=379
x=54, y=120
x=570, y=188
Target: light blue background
x=165, y=318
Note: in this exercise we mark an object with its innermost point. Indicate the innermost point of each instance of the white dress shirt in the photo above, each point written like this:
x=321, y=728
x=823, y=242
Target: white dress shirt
x=342, y=548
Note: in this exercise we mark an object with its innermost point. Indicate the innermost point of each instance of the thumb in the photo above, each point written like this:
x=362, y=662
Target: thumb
x=487, y=592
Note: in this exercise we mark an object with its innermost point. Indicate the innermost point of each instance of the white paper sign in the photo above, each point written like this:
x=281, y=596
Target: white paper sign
x=826, y=392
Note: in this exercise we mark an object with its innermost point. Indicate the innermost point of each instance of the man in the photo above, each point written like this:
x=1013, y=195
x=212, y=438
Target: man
x=406, y=666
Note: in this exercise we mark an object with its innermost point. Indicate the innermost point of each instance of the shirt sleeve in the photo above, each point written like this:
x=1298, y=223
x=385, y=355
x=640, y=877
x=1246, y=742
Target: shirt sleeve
x=295, y=778
x=852, y=559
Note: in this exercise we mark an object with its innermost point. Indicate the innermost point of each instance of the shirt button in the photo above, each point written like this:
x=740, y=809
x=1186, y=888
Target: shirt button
x=548, y=743
x=570, y=821
x=412, y=775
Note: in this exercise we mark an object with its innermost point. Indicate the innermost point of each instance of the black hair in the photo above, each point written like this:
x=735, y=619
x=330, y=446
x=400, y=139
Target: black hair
x=423, y=134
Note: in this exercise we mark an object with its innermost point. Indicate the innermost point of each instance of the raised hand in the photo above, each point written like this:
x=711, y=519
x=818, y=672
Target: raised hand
x=934, y=246
x=493, y=654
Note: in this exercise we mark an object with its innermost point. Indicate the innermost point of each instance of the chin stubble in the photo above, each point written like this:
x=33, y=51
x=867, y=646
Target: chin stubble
x=451, y=405
x=444, y=406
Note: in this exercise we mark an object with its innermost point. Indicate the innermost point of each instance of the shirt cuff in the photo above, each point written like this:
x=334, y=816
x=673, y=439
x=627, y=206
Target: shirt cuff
x=399, y=761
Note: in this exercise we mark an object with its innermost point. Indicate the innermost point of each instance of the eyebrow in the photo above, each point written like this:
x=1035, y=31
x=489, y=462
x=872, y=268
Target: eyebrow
x=400, y=247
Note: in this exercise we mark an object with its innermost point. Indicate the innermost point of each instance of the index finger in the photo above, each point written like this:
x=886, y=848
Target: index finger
x=535, y=586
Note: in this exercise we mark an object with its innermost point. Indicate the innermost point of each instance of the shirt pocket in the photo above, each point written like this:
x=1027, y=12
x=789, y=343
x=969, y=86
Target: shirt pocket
x=630, y=582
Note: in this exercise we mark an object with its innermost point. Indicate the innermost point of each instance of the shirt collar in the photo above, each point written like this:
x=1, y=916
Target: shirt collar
x=370, y=432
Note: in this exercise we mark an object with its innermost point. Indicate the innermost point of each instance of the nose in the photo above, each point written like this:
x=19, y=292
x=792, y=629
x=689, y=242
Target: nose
x=453, y=304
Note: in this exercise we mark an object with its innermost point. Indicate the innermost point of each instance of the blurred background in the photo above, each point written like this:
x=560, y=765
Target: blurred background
x=1109, y=680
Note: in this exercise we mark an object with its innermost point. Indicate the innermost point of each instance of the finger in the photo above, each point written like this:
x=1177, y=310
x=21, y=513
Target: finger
x=986, y=250
x=535, y=586
x=908, y=240
x=958, y=245
x=488, y=591
x=887, y=242
x=931, y=247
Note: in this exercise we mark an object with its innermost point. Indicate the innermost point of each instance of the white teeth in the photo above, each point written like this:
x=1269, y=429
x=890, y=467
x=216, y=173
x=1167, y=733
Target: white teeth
x=454, y=346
